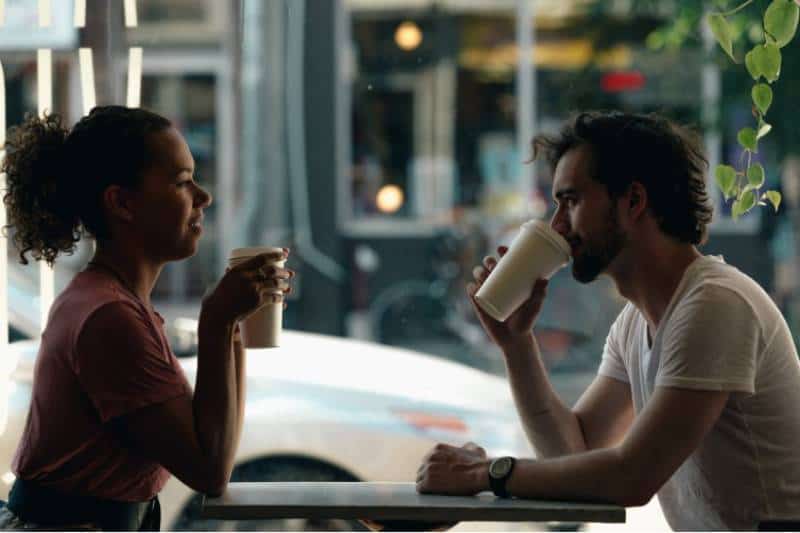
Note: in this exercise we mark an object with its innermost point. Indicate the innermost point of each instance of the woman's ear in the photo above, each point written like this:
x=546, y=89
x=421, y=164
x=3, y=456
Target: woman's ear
x=116, y=202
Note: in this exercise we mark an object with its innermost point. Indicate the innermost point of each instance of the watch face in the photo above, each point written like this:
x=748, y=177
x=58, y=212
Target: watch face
x=500, y=467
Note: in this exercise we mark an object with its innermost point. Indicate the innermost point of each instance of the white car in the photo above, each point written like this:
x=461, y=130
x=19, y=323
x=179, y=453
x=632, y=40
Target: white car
x=323, y=408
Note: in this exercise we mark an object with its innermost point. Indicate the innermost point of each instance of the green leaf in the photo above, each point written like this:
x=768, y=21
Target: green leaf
x=768, y=59
x=764, y=60
x=726, y=179
x=755, y=175
x=747, y=138
x=780, y=21
x=763, y=129
x=762, y=97
x=743, y=204
x=750, y=63
x=722, y=32
x=774, y=197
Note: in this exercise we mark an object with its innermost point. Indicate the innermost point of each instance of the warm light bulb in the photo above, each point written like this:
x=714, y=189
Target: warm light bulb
x=408, y=35
x=389, y=198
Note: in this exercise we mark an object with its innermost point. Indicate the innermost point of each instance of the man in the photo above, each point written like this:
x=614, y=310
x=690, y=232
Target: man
x=698, y=393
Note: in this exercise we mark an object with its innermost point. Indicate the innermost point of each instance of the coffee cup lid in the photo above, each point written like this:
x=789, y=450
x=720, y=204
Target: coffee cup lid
x=251, y=251
x=550, y=234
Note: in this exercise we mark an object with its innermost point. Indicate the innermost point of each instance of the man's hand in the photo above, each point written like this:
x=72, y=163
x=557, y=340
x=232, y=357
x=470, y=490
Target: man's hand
x=454, y=471
x=516, y=330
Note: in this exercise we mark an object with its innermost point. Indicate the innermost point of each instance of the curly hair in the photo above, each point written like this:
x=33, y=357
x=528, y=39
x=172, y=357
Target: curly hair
x=56, y=177
x=667, y=159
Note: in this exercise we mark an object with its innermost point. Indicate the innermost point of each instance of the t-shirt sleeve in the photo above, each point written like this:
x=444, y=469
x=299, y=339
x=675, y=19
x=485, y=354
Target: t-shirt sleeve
x=121, y=364
x=612, y=364
x=711, y=342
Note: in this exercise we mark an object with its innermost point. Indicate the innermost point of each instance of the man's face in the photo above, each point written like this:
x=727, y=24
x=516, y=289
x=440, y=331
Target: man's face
x=585, y=215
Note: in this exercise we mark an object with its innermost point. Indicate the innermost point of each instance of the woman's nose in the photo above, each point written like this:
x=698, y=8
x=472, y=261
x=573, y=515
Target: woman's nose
x=204, y=197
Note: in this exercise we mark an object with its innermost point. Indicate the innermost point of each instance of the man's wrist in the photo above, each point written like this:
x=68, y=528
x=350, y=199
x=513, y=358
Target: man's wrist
x=482, y=476
x=522, y=345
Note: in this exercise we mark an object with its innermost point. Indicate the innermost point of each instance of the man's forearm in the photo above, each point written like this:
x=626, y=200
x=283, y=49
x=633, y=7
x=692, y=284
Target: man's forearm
x=552, y=428
x=598, y=476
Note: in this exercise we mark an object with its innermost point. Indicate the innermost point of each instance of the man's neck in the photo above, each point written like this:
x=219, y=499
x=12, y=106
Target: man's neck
x=651, y=276
x=137, y=273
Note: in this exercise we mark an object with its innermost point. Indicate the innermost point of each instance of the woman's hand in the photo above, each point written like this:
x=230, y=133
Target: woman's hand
x=517, y=327
x=246, y=287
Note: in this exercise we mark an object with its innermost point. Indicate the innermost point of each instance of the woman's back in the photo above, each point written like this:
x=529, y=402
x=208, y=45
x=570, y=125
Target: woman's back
x=87, y=374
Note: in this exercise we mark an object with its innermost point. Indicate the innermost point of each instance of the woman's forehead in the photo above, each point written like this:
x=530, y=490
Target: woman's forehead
x=170, y=151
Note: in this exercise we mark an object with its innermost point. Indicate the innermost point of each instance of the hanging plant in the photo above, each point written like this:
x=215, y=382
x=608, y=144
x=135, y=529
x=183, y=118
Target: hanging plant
x=744, y=184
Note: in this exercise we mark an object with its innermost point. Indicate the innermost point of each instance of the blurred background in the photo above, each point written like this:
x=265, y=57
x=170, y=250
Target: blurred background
x=386, y=143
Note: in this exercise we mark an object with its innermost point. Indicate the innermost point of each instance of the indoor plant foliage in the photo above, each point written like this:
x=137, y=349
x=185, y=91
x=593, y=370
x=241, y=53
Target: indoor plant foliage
x=763, y=63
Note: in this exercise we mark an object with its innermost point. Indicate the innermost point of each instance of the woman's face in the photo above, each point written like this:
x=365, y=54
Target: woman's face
x=168, y=206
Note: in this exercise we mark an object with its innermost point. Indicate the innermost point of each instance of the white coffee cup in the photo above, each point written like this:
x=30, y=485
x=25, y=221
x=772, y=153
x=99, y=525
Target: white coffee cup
x=262, y=328
x=538, y=251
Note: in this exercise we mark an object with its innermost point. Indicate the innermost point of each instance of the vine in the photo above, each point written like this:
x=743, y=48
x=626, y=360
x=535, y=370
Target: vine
x=780, y=19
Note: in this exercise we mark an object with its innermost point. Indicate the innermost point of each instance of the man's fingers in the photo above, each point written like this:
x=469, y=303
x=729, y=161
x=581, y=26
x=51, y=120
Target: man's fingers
x=489, y=262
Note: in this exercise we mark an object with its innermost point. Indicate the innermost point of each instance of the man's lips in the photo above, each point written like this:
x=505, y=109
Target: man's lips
x=573, y=245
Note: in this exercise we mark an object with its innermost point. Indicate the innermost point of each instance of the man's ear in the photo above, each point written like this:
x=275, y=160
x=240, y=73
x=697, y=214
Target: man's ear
x=116, y=201
x=636, y=199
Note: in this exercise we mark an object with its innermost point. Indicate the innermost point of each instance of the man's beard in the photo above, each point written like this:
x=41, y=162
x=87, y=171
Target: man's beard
x=595, y=256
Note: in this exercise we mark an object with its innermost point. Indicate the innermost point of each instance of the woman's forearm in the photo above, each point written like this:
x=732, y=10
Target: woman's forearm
x=240, y=356
x=216, y=395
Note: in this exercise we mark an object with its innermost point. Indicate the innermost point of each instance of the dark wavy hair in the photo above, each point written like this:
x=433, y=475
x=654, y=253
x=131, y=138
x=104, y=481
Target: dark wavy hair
x=56, y=177
x=667, y=159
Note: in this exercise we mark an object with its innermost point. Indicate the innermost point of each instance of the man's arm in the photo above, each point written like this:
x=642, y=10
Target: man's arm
x=668, y=430
x=600, y=418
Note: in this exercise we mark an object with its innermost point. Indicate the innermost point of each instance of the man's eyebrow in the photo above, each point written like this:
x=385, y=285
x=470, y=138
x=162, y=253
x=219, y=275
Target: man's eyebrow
x=181, y=170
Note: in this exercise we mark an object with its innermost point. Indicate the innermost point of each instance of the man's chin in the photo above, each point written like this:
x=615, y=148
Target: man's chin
x=584, y=275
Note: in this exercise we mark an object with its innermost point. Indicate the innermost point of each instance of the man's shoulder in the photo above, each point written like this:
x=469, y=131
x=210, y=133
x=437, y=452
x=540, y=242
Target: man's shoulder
x=714, y=279
x=723, y=290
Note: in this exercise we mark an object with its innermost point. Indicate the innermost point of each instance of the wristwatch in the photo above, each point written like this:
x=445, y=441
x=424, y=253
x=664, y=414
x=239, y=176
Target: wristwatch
x=499, y=471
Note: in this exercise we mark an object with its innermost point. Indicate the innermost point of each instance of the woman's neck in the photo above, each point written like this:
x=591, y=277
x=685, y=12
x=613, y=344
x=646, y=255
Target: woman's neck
x=133, y=270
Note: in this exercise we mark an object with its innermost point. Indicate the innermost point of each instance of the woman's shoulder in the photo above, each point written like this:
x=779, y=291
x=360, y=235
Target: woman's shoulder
x=88, y=293
x=89, y=288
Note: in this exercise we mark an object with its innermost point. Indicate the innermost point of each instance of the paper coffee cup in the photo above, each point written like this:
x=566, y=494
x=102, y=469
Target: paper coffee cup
x=538, y=251
x=262, y=328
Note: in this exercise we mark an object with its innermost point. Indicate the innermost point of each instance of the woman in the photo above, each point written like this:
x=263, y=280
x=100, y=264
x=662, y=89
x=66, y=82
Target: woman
x=112, y=414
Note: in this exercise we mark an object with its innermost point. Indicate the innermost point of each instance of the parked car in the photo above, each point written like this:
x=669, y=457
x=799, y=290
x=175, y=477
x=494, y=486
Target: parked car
x=321, y=408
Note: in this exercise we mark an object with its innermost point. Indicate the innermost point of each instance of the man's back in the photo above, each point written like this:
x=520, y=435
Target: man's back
x=722, y=332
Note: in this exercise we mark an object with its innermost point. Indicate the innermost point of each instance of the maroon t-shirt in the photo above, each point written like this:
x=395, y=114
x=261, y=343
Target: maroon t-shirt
x=103, y=354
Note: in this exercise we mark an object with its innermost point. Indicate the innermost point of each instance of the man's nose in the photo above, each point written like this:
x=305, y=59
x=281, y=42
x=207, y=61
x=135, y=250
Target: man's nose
x=559, y=223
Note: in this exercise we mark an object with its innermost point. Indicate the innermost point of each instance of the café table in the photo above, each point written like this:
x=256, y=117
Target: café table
x=390, y=502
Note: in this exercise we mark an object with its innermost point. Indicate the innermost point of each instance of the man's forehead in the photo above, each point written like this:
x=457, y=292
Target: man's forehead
x=572, y=171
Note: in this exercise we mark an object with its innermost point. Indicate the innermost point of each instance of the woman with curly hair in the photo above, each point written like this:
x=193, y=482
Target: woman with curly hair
x=112, y=414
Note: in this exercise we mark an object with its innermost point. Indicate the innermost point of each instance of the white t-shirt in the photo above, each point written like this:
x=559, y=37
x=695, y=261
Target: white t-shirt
x=721, y=331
